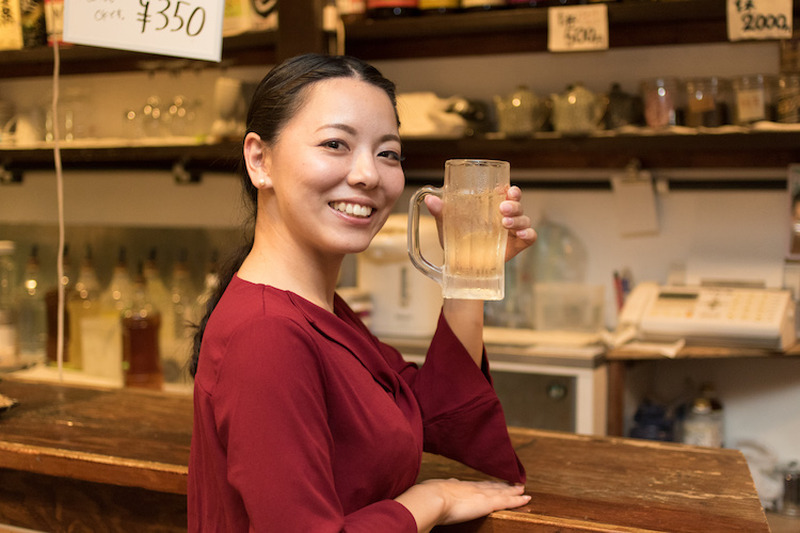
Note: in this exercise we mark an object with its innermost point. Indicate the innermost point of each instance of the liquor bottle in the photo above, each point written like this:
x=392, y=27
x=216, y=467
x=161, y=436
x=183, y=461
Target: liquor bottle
x=141, y=322
x=436, y=7
x=119, y=288
x=482, y=5
x=32, y=313
x=8, y=319
x=183, y=295
x=51, y=304
x=82, y=306
x=158, y=293
x=210, y=284
x=392, y=8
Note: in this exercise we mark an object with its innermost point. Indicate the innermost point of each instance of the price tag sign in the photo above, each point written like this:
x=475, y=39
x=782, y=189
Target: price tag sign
x=759, y=19
x=181, y=28
x=577, y=28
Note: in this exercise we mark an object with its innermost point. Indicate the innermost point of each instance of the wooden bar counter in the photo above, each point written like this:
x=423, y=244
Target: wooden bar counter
x=89, y=459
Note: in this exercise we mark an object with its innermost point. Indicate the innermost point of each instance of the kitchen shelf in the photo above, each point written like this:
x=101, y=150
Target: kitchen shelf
x=425, y=157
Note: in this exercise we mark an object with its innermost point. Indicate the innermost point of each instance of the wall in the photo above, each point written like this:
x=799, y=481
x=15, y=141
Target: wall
x=706, y=231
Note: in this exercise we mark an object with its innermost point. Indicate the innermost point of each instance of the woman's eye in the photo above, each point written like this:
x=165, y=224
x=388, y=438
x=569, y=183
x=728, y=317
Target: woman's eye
x=334, y=145
x=391, y=154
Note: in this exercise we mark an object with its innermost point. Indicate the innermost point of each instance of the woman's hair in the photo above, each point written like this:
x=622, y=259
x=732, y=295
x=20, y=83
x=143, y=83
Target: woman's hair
x=276, y=100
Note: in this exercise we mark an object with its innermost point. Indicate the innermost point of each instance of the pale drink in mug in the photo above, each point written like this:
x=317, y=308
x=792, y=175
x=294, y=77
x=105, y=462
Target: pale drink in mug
x=473, y=236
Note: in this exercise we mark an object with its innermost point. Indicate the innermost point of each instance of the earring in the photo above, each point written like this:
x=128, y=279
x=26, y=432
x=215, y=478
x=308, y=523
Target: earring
x=262, y=183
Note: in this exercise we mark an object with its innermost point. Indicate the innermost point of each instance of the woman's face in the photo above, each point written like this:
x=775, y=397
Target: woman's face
x=334, y=170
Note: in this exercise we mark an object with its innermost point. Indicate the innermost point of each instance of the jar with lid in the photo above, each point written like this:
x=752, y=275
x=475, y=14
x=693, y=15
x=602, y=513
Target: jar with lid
x=8, y=319
x=703, y=425
x=788, y=105
x=662, y=102
x=751, y=99
x=707, y=102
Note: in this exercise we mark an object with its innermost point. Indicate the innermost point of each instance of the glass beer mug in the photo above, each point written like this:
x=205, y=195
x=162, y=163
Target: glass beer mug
x=473, y=236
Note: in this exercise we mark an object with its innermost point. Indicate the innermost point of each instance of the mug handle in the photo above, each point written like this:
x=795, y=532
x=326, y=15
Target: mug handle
x=423, y=265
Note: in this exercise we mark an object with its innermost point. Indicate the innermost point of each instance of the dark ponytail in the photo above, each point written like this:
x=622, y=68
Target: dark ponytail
x=276, y=100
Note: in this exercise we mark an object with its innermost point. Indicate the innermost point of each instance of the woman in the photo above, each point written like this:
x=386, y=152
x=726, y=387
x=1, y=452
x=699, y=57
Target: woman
x=303, y=420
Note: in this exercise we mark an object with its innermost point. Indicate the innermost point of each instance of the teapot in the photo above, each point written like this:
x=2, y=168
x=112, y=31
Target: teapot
x=521, y=113
x=578, y=111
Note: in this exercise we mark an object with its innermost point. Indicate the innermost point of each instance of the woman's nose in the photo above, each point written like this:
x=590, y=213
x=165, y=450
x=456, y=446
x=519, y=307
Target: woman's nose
x=364, y=172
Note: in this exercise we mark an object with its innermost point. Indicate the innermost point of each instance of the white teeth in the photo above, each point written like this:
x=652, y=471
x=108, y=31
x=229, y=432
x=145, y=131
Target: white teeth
x=352, y=209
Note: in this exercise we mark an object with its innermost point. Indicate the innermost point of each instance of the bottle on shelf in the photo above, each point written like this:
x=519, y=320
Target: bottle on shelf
x=32, y=313
x=483, y=5
x=439, y=7
x=183, y=296
x=83, y=308
x=703, y=424
x=210, y=284
x=141, y=322
x=117, y=294
x=8, y=312
x=158, y=293
x=101, y=330
x=392, y=8
x=51, y=305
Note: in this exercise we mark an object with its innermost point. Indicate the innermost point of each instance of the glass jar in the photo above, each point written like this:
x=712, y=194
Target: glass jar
x=661, y=98
x=750, y=99
x=707, y=102
x=788, y=100
x=8, y=322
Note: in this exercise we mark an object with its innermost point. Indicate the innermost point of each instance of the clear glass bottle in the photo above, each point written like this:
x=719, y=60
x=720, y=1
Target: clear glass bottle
x=141, y=322
x=117, y=294
x=51, y=305
x=210, y=284
x=83, y=306
x=703, y=425
x=183, y=296
x=32, y=313
x=158, y=293
x=8, y=312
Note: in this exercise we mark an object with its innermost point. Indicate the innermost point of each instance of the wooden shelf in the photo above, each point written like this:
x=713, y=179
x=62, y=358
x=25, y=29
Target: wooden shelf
x=525, y=30
x=631, y=23
x=425, y=158
x=255, y=48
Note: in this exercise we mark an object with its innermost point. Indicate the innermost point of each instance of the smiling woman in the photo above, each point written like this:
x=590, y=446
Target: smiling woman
x=303, y=420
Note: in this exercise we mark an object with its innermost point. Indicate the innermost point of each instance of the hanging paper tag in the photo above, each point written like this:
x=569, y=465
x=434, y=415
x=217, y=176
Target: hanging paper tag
x=577, y=28
x=759, y=19
x=181, y=28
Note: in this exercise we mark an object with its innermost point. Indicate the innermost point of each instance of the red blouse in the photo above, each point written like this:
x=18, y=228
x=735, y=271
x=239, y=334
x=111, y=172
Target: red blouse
x=304, y=421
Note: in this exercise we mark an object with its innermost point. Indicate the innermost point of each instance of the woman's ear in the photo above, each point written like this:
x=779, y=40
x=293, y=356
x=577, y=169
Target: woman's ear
x=257, y=160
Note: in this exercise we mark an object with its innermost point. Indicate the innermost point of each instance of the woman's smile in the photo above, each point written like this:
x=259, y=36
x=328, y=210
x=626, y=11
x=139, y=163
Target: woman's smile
x=357, y=210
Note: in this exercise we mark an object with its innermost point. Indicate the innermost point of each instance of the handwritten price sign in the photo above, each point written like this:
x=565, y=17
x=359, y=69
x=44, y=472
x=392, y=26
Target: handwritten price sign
x=577, y=28
x=181, y=28
x=759, y=19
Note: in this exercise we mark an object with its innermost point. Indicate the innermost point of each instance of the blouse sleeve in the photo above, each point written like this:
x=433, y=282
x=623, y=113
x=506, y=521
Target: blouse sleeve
x=462, y=416
x=271, y=419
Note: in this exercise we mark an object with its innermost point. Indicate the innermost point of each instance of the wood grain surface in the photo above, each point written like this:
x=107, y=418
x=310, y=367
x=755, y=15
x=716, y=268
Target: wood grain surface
x=84, y=459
